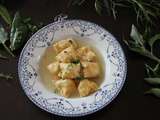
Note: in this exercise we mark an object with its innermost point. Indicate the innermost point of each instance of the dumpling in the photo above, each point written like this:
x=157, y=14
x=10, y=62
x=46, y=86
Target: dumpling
x=63, y=44
x=86, y=87
x=86, y=54
x=65, y=87
x=90, y=69
x=69, y=70
x=55, y=77
x=67, y=55
x=53, y=67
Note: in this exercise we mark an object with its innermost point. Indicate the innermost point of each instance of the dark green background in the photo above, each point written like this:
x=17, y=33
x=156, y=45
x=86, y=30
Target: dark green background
x=131, y=103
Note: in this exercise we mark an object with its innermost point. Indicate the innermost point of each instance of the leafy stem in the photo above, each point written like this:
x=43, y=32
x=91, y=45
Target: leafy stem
x=5, y=15
x=2, y=56
x=147, y=12
x=8, y=50
x=138, y=44
x=4, y=38
x=2, y=75
x=146, y=53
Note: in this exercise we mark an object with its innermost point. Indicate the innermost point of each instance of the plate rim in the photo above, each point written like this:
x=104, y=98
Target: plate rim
x=80, y=114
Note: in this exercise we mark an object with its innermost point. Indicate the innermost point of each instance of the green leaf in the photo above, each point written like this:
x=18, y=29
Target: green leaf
x=141, y=7
x=5, y=15
x=32, y=27
x=137, y=44
x=16, y=20
x=19, y=31
x=114, y=11
x=76, y=61
x=149, y=70
x=153, y=81
x=154, y=91
x=98, y=7
x=103, y=6
x=3, y=39
x=79, y=78
x=27, y=20
x=2, y=56
x=75, y=2
x=154, y=39
x=144, y=52
x=6, y=76
x=121, y=5
x=157, y=68
x=151, y=13
x=3, y=35
x=81, y=2
x=153, y=72
x=136, y=36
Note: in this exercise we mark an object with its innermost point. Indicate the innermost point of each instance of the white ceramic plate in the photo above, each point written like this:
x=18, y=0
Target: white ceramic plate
x=102, y=40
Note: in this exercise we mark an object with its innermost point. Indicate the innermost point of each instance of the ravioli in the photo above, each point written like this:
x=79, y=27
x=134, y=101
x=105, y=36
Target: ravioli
x=90, y=69
x=63, y=44
x=65, y=87
x=53, y=67
x=67, y=55
x=74, y=68
x=86, y=54
x=87, y=87
x=69, y=70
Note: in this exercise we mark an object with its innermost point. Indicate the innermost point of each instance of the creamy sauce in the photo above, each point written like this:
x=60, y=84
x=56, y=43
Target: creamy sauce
x=49, y=57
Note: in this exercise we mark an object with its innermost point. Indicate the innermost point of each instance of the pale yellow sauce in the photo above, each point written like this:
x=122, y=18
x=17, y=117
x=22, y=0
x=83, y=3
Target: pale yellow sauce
x=49, y=57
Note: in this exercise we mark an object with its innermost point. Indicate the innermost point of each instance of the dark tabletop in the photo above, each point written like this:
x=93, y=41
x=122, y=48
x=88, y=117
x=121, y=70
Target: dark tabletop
x=130, y=104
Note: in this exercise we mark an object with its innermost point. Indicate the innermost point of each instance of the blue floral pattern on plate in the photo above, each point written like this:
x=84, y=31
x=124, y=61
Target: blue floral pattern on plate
x=112, y=53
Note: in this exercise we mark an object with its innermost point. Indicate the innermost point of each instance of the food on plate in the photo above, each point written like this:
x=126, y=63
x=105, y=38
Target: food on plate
x=67, y=55
x=75, y=68
x=53, y=67
x=61, y=45
x=86, y=54
x=65, y=87
x=90, y=69
x=69, y=70
x=86, y=87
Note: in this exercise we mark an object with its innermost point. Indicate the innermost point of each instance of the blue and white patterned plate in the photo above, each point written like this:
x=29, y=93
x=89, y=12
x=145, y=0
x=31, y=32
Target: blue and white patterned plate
x=106, y=44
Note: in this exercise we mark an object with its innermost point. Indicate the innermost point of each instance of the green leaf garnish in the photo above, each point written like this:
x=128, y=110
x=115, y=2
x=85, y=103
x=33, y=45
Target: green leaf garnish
x=79, y=78
x=76, y=61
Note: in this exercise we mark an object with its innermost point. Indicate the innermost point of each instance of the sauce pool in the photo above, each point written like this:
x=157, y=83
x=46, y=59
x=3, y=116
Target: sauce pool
x=49, y=57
